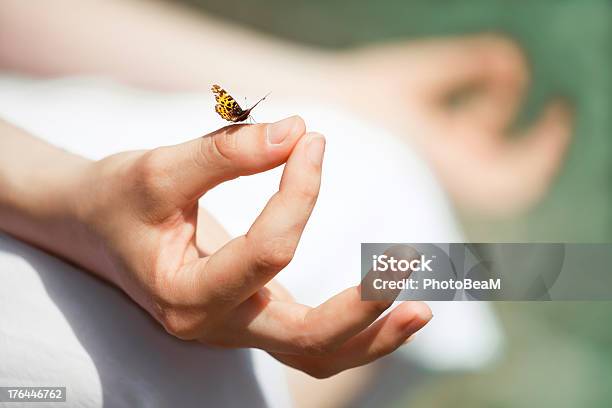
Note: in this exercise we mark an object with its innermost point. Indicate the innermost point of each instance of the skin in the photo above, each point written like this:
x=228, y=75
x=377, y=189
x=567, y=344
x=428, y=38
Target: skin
x=133, y=219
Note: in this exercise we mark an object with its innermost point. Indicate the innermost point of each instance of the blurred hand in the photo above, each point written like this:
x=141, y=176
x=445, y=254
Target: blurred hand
x=486, y=171
x=139, y=221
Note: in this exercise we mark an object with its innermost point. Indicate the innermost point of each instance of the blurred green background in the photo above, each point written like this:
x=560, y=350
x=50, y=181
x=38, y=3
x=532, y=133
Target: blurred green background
x=559, y=354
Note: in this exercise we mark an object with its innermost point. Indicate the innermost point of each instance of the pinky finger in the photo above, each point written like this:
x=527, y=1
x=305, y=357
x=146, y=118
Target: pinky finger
x=381, y=338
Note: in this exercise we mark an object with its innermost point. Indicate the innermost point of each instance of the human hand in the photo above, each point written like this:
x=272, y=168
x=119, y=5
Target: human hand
x=138, y=224
x=408, y=87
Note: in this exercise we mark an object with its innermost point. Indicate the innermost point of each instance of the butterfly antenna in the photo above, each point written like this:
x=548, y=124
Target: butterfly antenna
x=268, y=94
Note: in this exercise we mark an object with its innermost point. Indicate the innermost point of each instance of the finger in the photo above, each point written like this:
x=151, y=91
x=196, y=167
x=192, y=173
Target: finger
x=294, y=328
x=492, y=68
x=236, y=150
x=378, y=340
x=247, y=263
x=384, y=336
x=329, y=325
x=524, y=170
x=279, y=292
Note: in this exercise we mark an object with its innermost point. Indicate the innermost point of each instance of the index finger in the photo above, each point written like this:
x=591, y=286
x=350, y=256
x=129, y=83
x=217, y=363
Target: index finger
x=247, y=263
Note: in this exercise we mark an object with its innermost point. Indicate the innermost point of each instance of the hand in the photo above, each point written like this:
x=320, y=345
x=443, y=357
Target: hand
x=408, y=88
x=138, y=225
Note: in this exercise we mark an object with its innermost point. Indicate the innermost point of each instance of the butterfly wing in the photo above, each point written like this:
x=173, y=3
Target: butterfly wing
x=226, y=106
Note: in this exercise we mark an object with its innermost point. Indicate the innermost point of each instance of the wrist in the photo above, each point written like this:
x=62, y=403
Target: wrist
x=39, y=192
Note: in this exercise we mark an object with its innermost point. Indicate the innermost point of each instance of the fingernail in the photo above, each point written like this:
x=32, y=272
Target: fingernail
x=315, y=148
x=278, y=131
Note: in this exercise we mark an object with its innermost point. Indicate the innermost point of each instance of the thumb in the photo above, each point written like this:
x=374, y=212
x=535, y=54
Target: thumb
x=197, y=166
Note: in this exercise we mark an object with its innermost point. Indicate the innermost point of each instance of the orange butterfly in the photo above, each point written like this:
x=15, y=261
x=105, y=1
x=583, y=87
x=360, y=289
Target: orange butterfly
x=228, y=108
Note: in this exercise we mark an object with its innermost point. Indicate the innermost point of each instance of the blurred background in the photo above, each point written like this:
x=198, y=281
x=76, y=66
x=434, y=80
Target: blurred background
x=558, y=354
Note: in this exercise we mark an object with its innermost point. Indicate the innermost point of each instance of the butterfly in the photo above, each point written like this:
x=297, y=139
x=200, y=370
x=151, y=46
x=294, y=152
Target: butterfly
x=228, y=108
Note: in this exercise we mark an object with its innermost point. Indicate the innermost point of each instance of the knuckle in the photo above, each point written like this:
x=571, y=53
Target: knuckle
x=217, y=149
x=316, y=346
x=308, y=195
x=179, y=324
x=181, y=319
x=508, y=58
x=275, y=254
x=226, y=144
x=315, y=349
x=150, y=171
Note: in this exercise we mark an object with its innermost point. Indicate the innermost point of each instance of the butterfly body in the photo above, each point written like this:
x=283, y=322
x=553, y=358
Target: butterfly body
x=228, y=108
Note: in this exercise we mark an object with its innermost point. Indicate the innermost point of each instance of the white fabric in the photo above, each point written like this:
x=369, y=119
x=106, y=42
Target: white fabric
x=60, y=326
